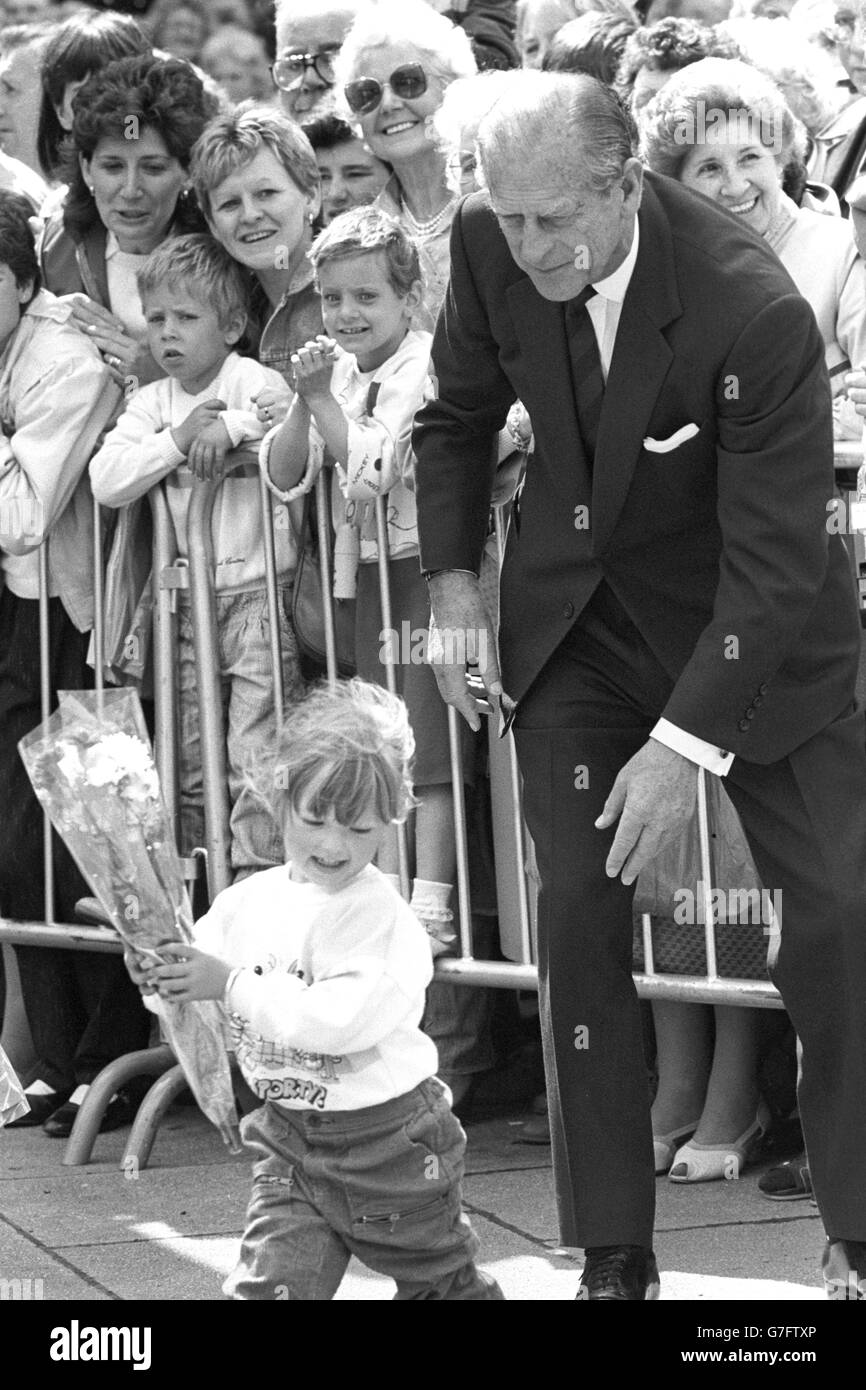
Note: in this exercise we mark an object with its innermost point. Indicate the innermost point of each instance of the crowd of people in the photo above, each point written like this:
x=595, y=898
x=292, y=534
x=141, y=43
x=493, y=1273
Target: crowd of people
x=239, y=224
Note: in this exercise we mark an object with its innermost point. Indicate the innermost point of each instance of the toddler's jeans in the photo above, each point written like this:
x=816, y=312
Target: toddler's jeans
x=382, y=1183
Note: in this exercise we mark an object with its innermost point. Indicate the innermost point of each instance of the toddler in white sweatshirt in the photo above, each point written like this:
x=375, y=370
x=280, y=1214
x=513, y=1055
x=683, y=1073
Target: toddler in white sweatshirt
x=321, y=968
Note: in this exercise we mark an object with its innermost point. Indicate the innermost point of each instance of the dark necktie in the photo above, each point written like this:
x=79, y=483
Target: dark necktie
x=585, y=370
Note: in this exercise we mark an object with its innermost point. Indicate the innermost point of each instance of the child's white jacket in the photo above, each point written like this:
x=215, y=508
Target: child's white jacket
x=324, y=1011
x=140, y=451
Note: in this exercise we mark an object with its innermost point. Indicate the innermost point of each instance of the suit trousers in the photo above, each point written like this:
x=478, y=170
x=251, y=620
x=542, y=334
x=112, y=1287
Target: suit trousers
x=586, y=714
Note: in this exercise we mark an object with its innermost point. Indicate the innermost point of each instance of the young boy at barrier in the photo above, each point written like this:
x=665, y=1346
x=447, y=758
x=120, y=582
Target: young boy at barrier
x=356, y=396
x=56, y=398
x=180, y=428
x=321, y=968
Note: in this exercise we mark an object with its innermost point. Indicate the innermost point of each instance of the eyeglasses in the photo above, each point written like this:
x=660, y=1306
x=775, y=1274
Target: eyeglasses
x=292, y=68
x=406, y=82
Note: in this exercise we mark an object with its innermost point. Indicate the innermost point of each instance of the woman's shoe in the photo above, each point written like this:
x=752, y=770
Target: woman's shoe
x=665, y=1145
x=709, y=1162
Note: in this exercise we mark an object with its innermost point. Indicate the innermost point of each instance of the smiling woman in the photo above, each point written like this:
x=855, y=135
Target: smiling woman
x=257, y=181
x=393, y=70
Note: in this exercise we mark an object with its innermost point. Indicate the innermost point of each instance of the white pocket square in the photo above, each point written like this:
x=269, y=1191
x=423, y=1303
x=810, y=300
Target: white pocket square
x=664, y=446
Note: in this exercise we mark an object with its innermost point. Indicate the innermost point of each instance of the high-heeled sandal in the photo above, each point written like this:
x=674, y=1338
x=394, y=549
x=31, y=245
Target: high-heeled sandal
x=709, y=1162
x=665, y=1145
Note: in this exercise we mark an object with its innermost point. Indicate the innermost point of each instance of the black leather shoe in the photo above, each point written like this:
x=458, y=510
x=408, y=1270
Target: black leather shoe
x=119, y=1112
x=621, y=1272
x=41, y=1107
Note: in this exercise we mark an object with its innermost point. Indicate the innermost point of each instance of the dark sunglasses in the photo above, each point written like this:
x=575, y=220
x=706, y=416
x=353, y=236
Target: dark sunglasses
x=406, y=82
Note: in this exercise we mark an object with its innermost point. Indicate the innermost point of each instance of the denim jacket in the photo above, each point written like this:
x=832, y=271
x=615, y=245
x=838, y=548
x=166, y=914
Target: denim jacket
x=296, y=319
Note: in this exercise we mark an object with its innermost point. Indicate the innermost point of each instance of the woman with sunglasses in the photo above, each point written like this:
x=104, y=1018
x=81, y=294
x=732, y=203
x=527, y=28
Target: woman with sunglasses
x=393, y=70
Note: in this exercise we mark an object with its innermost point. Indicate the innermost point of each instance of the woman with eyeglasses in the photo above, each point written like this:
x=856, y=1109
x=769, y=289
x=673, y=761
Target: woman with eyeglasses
x=393, y=70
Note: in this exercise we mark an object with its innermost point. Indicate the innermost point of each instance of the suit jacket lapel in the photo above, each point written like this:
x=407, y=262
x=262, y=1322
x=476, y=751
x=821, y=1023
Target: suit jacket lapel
x=641, y=360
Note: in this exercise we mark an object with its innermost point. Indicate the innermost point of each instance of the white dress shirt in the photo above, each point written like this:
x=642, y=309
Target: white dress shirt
x=604, y=310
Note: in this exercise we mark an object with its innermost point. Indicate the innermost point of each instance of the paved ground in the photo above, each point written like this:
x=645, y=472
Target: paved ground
x=171, y=1231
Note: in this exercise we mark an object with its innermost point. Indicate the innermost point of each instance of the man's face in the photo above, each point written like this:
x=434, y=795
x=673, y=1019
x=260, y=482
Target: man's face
x=563, y=233
x=311, y=32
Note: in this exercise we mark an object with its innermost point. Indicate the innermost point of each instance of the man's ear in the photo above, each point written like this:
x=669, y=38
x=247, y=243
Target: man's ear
x=632, y=184
x=234, y=329
x=25, y=292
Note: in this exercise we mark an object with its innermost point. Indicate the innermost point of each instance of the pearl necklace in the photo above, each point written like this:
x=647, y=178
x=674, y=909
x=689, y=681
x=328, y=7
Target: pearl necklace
x=425, y=229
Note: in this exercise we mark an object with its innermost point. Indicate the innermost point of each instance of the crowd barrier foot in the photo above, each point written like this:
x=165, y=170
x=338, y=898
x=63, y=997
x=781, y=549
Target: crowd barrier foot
x=151, y=1061
x=151, y=1113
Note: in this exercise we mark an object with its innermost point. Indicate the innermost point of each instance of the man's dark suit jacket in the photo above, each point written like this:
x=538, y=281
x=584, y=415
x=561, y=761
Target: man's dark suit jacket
x=719, y=549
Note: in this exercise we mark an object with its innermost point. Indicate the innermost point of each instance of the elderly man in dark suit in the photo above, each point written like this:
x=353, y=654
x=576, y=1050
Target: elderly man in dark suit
x=671, y=597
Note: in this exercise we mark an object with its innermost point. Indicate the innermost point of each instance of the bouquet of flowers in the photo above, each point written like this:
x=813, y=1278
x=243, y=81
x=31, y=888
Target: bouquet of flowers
x=13, y=1102
x=92, y=769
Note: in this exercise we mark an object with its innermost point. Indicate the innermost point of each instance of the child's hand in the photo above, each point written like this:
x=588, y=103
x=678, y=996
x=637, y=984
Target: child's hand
x=185, y=434
x=272, y=405
x=207, y=454
x=194, y=975
x=139, y=968
x=312, y=366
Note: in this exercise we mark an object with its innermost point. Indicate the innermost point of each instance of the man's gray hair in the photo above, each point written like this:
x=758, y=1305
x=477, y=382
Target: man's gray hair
x=558, y=115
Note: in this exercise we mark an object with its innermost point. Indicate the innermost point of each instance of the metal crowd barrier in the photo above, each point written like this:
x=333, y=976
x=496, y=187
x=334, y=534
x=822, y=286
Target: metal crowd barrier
x=516, y=889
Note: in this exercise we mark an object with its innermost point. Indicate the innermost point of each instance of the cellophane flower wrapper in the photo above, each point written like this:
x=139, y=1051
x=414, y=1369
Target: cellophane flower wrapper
x=93, y=771
x=13, y=1102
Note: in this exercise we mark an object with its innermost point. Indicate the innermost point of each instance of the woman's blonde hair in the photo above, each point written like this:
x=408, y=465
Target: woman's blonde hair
x=445, y=46
x=344, y=750
x=233, y=141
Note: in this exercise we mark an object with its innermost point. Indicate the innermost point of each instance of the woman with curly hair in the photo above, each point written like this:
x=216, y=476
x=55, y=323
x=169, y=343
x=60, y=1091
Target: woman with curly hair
x=653, y=54
x=134, y=125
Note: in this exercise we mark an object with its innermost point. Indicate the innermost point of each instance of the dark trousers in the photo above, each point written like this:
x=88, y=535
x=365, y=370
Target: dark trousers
x=588, y=712
x=82, y=1008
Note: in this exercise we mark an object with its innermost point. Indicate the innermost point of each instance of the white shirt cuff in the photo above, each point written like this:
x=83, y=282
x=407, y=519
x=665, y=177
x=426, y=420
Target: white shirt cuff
x=697, y=750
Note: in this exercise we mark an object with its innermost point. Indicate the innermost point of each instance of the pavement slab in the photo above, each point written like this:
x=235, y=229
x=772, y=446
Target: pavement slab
x=171, y=1231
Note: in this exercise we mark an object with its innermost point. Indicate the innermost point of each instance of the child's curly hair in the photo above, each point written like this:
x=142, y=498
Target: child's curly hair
x=363, y=230
x=17, y=246
x=345, y=750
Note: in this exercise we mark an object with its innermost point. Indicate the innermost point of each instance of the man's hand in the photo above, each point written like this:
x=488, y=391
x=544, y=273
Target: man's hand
x=312, y=365
x=186, y=433
x=653, y=798
x=207, y=454
x=461, y=635
x=194, y=975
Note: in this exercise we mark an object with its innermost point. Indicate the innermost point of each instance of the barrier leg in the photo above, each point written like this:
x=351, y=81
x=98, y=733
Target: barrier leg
x=45, y=704
x=463, y=899
x=390, y=671
x=150, y=1115
x=151, y=1061
x=323, y=512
